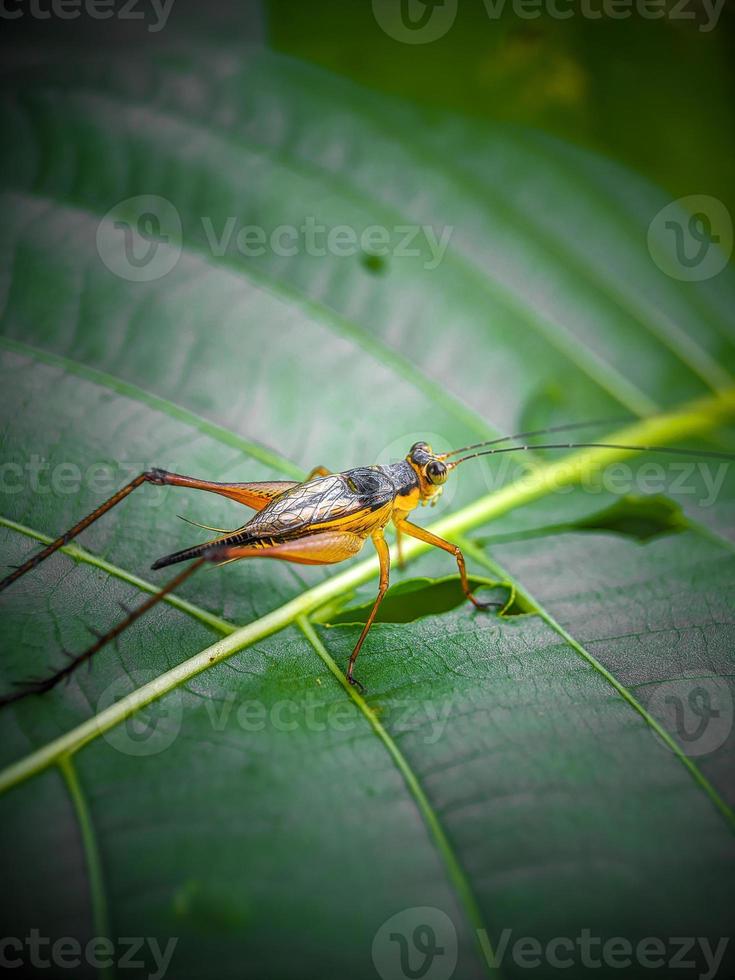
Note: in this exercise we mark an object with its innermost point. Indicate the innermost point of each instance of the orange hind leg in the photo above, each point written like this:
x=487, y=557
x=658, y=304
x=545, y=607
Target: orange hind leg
x=324, y=548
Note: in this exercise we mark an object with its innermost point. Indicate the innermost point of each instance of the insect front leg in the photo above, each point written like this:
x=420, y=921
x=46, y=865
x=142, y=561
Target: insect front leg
x=317, y=471
x=423, y=535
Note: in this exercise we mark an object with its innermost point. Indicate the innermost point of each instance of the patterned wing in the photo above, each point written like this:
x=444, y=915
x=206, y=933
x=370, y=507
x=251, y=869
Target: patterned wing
x=323, y=501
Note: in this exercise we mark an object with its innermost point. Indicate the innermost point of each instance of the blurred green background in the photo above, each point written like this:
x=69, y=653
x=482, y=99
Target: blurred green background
x=655, y=94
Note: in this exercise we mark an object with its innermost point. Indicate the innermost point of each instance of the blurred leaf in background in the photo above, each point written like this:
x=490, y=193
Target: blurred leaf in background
x=656, y=94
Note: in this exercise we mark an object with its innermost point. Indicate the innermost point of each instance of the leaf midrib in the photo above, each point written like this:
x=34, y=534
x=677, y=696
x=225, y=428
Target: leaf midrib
x=436, y=831
x=695, y=417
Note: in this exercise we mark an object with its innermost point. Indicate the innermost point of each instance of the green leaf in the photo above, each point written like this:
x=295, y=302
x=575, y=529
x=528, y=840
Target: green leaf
x=514, y=772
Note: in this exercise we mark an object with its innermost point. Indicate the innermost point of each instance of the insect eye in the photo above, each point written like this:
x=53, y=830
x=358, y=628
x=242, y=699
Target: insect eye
x=420, y=447
x=436, y=472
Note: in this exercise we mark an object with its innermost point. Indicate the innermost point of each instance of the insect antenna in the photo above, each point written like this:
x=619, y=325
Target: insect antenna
x=207, y=527
x=567, y=427
x=40, y=685
x=706, y=453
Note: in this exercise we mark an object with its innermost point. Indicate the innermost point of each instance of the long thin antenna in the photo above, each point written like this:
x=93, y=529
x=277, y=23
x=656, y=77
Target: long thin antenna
x=708, y=453
x=568, y=427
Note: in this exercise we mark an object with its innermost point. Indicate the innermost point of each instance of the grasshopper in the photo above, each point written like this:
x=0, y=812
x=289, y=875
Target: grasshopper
x=323, y=520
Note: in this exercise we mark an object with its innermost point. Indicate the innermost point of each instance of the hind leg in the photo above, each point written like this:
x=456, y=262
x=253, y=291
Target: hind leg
x=324, y=548
x=255, y=495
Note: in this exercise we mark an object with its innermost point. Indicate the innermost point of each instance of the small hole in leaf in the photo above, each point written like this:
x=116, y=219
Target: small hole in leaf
x=375, y=264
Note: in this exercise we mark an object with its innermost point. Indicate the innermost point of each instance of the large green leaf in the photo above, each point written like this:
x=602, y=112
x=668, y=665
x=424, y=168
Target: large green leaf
x=506, y=770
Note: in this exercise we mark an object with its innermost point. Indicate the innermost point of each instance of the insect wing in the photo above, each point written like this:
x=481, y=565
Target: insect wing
x=324, y=501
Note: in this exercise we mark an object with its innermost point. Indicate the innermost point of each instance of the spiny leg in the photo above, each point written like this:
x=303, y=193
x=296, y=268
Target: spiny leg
x=384, y=557
x=255, y=495
x=74, y=531
x=46, y=683
x=423, y=535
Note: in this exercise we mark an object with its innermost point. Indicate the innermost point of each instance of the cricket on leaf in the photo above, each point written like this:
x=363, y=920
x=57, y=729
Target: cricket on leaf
x=323, y=520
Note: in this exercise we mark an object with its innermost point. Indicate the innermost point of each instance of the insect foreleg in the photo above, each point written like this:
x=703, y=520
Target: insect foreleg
x=423, y=535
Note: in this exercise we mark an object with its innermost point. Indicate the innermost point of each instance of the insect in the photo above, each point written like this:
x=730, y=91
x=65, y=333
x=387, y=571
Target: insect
x=325, y=519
